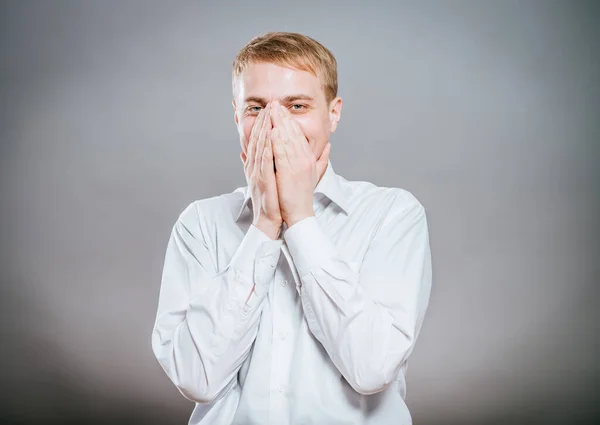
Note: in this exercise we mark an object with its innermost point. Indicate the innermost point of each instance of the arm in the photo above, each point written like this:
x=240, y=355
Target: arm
x=367, y=321
x=207, y=321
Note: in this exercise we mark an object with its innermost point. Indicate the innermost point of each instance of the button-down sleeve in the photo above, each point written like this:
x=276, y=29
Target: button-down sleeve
x=207, y=320
x=366, y=316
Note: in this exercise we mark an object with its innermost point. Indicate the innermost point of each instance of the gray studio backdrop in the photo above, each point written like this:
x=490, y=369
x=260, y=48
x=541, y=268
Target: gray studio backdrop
x=115, y=115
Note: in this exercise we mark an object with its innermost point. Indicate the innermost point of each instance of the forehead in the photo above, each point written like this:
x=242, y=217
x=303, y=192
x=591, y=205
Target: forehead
x=271, y=81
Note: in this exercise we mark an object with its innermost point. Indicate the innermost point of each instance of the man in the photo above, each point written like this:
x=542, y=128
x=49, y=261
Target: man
x=298, y=298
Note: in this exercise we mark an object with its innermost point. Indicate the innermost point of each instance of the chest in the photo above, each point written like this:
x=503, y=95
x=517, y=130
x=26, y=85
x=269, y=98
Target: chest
x=351, y=234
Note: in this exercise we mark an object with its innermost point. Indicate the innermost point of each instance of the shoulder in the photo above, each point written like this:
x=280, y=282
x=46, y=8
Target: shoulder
x=392, y=202
x=214, y=209
x=405, y=203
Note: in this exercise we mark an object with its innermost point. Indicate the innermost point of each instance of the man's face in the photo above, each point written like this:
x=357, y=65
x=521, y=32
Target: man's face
x=298, y=91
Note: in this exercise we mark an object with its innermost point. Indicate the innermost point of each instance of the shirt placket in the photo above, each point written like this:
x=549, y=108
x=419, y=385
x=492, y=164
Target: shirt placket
x=280, y=346
x=287, y=315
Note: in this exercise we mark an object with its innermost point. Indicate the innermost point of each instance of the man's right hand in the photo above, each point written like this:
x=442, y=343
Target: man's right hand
x=260, y=176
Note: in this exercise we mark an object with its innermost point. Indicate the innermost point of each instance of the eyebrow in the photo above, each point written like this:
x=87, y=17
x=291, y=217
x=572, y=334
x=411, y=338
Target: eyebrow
x=287, y=99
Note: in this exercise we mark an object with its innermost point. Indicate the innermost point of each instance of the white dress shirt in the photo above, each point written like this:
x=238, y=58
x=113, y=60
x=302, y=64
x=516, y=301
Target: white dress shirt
x=313, y=328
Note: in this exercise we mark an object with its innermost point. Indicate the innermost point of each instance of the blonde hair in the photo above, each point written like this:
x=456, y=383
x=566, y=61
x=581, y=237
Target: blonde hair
x=290, y=50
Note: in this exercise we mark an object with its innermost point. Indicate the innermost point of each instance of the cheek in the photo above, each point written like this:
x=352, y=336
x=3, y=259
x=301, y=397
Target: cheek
x=309, y=126
x=246, y=129
x=315, y=129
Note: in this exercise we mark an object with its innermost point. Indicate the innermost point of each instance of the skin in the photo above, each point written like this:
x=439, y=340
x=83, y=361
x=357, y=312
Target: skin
x=283, y=119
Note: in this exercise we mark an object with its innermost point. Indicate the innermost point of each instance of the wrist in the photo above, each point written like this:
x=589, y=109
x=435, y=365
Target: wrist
x=269, y=228
x=291, y=220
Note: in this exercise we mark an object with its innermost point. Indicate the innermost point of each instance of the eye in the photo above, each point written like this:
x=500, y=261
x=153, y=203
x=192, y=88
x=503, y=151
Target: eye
x=254, y=109
x=298, y=107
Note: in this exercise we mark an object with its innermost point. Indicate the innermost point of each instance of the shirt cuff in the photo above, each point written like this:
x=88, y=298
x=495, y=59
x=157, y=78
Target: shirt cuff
x=308, y=245
x=256, y=246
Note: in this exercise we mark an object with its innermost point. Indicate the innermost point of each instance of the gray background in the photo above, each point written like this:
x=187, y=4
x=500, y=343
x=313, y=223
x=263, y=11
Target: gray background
x=115, y=115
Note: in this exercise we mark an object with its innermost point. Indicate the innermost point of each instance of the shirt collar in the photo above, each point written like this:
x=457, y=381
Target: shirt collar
x=329, y=186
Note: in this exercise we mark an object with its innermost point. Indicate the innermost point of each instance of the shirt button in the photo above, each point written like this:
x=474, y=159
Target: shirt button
x=284, y=283
x=281, y=389
x=282, y=335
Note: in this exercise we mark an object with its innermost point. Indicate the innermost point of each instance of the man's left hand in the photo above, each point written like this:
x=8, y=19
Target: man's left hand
x=298, y=171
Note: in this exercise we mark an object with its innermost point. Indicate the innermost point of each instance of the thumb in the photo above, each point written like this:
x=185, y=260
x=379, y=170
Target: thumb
x=323, y=159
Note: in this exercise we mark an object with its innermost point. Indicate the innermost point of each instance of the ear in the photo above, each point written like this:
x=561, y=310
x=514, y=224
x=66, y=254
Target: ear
x=235, y=116
x=335, y=113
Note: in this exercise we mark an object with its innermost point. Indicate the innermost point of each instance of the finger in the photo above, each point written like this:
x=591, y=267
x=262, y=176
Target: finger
x=289, y=141
x=279, y=122
x=279, y=152
x=299, y=135
x=294, y=127
x=266, y=166
x=289, y=137
x=298, y=143
x=275, y=115
x=253, y=138
x=260, y=143
x=286, y=119
x=282, y=135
